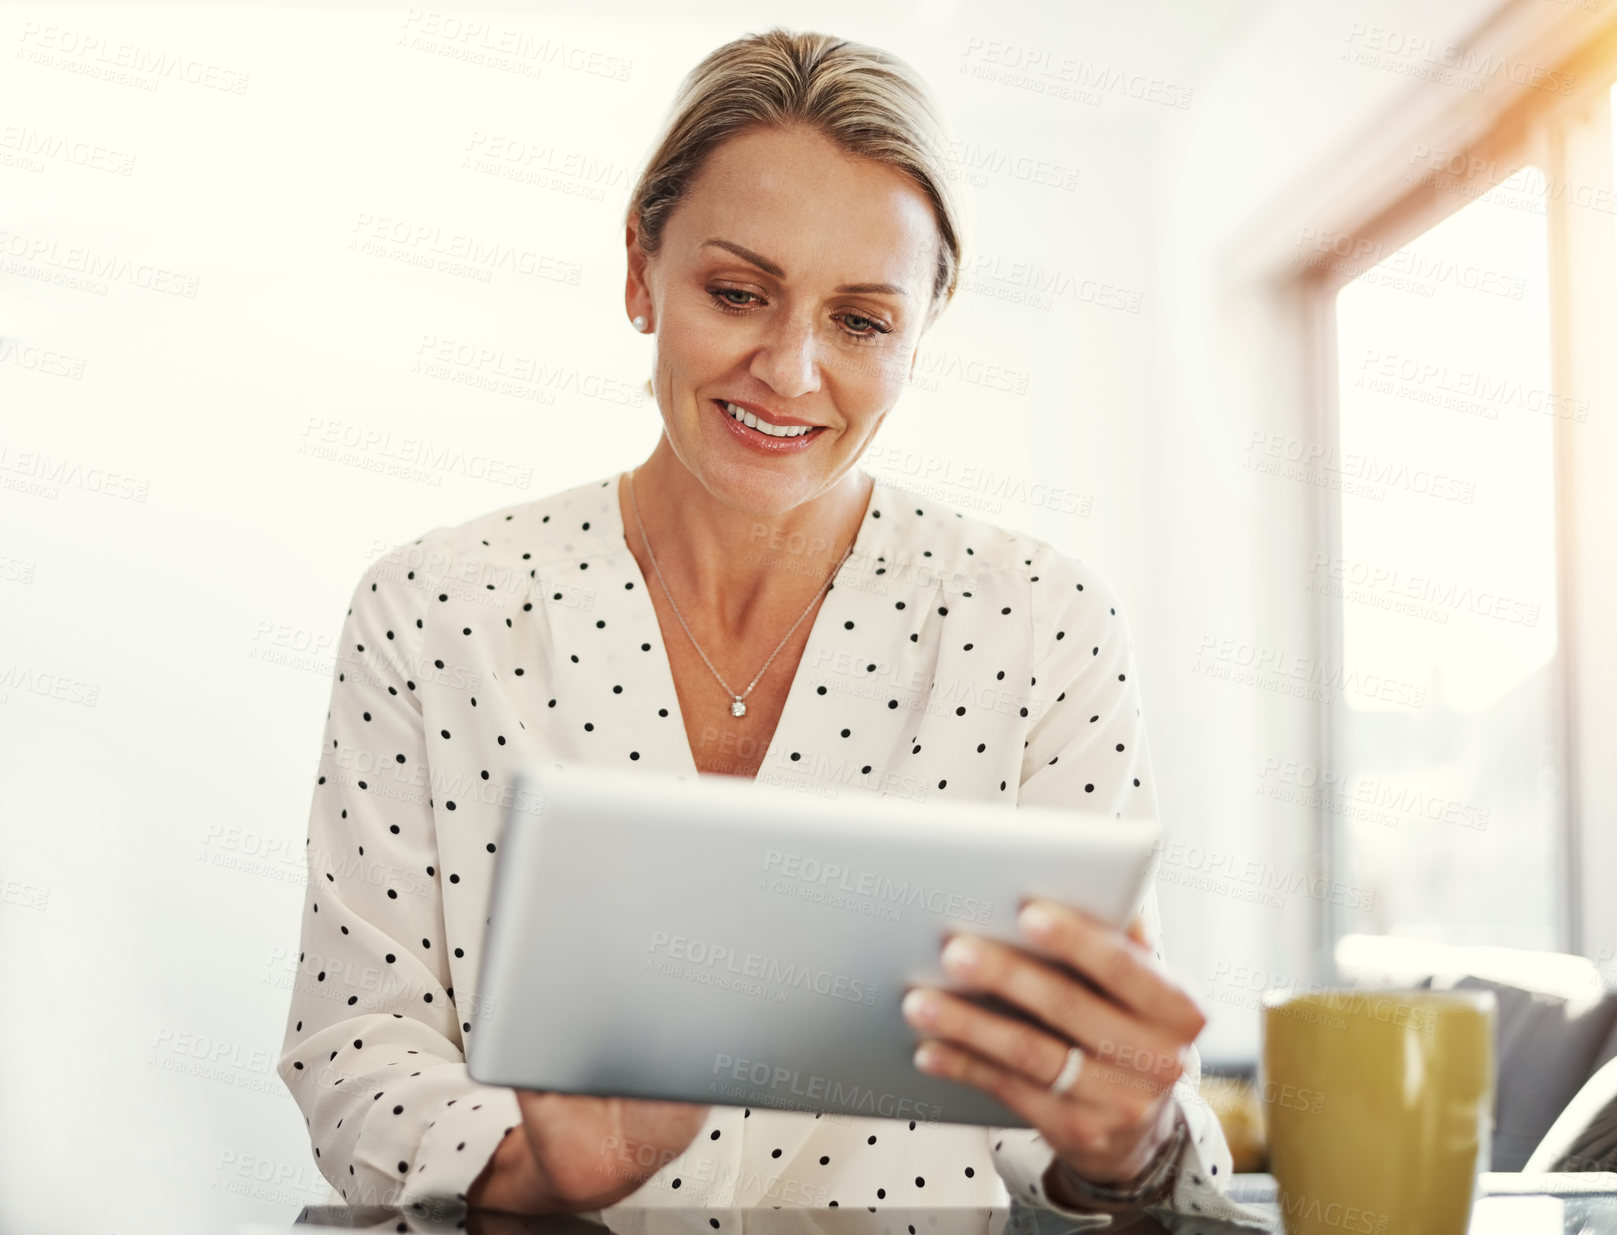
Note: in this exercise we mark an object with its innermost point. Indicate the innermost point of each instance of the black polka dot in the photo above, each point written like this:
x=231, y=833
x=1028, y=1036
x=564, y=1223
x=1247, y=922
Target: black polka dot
x=941, y=701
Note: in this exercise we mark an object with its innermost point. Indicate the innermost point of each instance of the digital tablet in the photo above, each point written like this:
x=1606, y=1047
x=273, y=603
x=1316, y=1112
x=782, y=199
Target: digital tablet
x=719, y=941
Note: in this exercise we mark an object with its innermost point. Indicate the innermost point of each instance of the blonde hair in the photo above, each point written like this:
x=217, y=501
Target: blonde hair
x=865, y=100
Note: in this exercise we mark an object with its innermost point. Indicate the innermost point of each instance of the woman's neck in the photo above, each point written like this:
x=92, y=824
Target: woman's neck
x=735, y=566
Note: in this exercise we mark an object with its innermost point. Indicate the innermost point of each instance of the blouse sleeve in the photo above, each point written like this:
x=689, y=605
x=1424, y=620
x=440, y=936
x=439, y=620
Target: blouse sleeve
x=1086, y=749
x=373, y=1052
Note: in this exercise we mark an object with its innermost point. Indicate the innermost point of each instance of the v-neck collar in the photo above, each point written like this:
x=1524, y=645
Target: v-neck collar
x=867, y=542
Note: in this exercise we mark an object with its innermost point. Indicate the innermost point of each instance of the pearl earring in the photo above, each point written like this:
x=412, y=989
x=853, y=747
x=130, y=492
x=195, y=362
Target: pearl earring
x=641, y=324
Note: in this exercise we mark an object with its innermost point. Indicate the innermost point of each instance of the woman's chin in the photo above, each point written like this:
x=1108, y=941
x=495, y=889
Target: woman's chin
x=764, y=489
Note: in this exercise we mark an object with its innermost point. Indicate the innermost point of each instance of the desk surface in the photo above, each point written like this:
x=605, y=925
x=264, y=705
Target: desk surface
x=1511, y=1204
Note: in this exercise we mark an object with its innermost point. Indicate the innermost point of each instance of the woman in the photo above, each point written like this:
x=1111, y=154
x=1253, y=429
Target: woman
x=744, y=602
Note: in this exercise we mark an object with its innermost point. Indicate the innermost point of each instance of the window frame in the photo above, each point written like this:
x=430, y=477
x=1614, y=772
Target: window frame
x=1570, y=138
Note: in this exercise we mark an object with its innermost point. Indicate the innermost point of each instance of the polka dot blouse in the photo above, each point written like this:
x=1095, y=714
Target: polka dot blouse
x=950, y=659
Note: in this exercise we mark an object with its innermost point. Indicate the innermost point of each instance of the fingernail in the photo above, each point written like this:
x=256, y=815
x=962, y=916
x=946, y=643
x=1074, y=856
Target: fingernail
x=1036, y=919
x=919, y=1007
x=961, y=955
x=925, y=1056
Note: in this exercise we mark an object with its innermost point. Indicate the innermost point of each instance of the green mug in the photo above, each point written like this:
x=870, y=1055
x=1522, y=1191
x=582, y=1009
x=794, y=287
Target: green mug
x=1379, y=1107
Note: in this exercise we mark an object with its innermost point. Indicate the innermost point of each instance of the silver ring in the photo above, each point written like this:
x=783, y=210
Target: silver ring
x=1069, y=1071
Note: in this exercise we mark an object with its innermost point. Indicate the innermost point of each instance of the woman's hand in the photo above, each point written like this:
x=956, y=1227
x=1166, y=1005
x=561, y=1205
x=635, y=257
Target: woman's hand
x=1127, y=1013
x=575, y=1152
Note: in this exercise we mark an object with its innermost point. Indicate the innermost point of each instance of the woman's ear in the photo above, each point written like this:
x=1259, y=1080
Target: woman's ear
x=636, y=294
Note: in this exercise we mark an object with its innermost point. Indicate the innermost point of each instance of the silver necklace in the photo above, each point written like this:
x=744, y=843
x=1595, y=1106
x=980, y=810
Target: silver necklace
x=739, y=706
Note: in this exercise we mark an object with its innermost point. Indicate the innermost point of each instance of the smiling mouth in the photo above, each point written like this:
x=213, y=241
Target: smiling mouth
x=763, y=426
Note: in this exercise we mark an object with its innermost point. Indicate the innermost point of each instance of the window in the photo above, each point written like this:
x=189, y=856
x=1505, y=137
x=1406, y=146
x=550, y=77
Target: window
x=1465, y=577
x=1446, y=745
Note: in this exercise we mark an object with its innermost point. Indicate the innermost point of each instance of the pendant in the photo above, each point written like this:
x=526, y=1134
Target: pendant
x=738, y=708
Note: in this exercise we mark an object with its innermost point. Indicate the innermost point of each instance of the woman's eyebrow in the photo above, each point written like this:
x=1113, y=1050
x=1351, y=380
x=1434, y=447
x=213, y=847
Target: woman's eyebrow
x=771, y=268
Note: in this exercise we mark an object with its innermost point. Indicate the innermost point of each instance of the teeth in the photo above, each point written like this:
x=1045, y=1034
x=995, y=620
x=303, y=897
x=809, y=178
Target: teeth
x=763, y=426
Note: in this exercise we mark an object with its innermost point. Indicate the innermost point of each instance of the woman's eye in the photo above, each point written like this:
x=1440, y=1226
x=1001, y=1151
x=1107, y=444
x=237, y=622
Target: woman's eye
x=868, y=327
x=857, y=325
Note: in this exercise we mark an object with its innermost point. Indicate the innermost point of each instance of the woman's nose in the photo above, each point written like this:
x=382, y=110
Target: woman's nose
x=790, y=357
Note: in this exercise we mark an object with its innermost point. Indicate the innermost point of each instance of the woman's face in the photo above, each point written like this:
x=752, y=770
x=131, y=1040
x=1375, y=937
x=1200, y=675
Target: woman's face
x=794, y=281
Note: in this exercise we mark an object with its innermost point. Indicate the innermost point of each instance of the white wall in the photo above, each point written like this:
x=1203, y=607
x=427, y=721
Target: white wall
x=154, y=817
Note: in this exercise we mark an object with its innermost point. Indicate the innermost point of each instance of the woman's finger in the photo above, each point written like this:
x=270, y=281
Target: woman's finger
x=1125, y=970
x=1038, y=1056
x=1105, y=1030
x=1137, y=931
x=1102, y=1135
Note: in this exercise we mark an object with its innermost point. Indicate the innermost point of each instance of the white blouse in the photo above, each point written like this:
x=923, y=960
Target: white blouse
x=951, y=658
